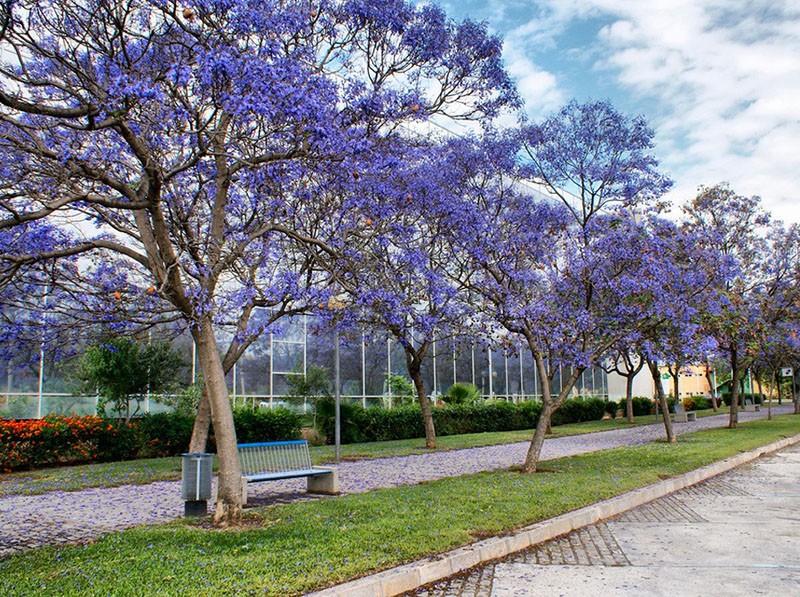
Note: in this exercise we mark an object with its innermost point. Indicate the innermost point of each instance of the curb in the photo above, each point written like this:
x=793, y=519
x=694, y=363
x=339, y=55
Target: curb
x=410, y=576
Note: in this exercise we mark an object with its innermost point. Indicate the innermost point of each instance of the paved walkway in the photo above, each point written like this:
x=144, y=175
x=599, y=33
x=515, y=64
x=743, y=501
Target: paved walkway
x=60, y=517
x=734, y=534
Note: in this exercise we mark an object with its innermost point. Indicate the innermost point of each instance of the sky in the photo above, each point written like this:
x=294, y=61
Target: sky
x=718, y=80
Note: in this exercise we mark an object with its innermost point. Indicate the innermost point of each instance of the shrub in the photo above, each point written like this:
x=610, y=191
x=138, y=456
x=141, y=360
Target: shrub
x=361, y=424
x=352, y=417
x=57, y=440
x=118, y=440
x=578, y=411
x=393, y=423
x=641, y=406
x=164, y=434
x=755, y=398
x=265, y=425
x=401, y=389
x=612, y=407
x=462, y=393
x=696, y=403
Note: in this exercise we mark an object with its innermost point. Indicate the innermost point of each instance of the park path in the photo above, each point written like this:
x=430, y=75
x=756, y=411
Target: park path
x=738, y=532
x=61, y=517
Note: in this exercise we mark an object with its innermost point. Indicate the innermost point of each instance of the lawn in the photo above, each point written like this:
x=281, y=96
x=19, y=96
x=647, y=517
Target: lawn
x=293, y=548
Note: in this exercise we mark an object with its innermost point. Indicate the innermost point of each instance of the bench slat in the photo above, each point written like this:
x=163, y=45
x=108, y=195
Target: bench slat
x=276, y=460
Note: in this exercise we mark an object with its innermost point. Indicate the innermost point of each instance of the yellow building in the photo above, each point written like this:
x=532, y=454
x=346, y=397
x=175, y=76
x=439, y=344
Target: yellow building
x=692, y=381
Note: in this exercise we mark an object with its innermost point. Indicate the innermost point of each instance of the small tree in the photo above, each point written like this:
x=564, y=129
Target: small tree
x=310, y=387
x=625, y=362
x=121, y=368
x=733, y=225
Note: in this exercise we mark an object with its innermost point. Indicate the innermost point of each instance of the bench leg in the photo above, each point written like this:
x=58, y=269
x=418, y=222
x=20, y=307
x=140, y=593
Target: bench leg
x=327, y=484
x=244, y=491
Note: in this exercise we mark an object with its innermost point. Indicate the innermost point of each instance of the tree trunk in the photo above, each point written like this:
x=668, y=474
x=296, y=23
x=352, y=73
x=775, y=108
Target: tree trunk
x=713, y=390
x=780, y=390
x=661, y=400
x=537, y=441
x=549, y=406
x=202, y=421
x=733, y=419
x=629, y=398
x=771, y=392
x=676, y=382
x=414, y=364
x=229, y=487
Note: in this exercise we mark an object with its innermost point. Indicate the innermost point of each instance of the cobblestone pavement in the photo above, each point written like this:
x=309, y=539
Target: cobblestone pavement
x=736, y=526
x=73, y=517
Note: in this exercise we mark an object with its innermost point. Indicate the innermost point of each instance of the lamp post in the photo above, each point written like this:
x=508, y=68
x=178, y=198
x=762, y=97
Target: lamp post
x=337, y=303
x=337, y=397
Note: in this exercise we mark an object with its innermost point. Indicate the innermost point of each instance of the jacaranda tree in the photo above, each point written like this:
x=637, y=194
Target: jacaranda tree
x=180, y=139
x=565, y=272
x=733, y=226
x=397, y=274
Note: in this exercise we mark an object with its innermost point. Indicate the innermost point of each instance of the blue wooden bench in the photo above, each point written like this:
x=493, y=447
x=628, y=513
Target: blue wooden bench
x=271, y=461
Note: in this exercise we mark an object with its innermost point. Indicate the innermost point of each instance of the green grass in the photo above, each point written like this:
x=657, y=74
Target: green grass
x=293, y=548
x=105, y=474
x=137, y=472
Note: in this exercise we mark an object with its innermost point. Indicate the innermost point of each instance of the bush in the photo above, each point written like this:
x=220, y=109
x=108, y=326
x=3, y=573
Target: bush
x=164, y=434
x=641, y=406
x=352, y=416
x=612, y=407
x=696, y=403
x=58, y=440
x=401, y=390
x=462, y=393
x=265, y=425
x=578, y=411
x=755, y=398
x=361, y=424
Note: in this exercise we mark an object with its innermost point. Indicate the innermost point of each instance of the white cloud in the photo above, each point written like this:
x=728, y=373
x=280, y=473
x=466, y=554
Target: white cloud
x=719, y=80
x=725, y=77
x=540, y=88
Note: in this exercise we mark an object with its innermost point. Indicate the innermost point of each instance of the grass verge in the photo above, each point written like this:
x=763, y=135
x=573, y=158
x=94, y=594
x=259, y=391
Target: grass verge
x=138, y=472
x=293, y=548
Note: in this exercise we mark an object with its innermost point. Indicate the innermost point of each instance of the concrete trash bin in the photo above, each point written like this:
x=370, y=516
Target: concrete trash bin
x=196, y=483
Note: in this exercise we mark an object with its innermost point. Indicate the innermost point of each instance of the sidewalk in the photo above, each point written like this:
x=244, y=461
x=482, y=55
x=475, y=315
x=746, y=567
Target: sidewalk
x=734, y=534
x=56, y=518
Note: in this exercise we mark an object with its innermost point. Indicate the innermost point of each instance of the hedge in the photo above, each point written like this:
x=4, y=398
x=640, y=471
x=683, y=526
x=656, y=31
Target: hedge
x=58, y=440
x=641, y=406
x=755, y=398
x=359, y=424
x=55, y=440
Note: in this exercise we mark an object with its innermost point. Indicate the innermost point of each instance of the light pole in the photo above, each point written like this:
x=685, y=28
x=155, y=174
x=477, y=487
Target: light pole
x=337, y=397
x=336, y=304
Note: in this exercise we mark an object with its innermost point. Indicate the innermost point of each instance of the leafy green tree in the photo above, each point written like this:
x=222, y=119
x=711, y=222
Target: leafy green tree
x=120, y=367
x=312, y=386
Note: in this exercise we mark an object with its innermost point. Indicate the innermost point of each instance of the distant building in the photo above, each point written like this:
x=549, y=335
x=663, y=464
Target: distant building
x=692, y=381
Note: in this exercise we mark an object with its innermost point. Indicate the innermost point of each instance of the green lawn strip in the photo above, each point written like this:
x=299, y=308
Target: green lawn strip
x=307, y=545
x=138, y=472
x=102, y=474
